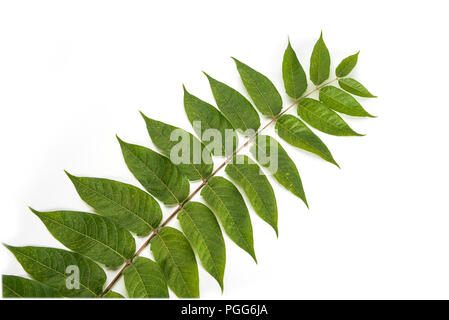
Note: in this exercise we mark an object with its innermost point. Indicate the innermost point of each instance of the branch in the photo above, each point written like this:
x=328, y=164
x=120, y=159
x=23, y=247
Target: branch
x=205, y=181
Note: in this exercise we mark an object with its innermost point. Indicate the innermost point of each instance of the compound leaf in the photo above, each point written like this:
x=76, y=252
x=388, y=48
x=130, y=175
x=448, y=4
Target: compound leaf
x=235, y=107
x=18, y=287
x=321, y=117
x=204, y=234
x=92, y=235
x=144, y=279
x=346, y=65
x=320, y=62
x=192, y=157
x=355, y=87
x=174, y=255
x=341, y=101
x=156, y=173
x=296, y=133
x=295, y=80
x=127, y=205
x=227, y=203
x=247, y=174
x=210, y=124
x=264, y=94
x=57, y=268
x=271, y=155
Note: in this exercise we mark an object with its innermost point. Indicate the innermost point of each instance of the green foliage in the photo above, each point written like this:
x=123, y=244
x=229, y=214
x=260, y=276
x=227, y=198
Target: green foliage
x=227, y=203
x=128, y=206
x=173, y=253
x=144, y=279
x=106, y=239
x=208, y=117
x=321, y=117
x=261, y=90
x=157, y=174
x=295, y=80
x=197, y=167
x=342, y=102
x=355, y=87
x=204, y=234
x=346, y=65
x=296, y=133
x=92, y=235
x=320, y=62
x=18, y=287
x=285, y=172
x=247, y=174
x=49, y=266
x=234, y=106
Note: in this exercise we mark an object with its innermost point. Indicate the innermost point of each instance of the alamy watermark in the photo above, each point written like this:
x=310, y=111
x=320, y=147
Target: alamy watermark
x=219, y=143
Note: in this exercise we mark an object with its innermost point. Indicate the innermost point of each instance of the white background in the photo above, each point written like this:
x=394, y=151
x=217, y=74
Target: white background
x=75, y=73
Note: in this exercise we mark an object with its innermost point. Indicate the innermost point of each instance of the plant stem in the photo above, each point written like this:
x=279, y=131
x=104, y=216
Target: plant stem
x=205, y=181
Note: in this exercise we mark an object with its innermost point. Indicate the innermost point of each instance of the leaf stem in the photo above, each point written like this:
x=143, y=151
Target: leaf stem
x=205, y=181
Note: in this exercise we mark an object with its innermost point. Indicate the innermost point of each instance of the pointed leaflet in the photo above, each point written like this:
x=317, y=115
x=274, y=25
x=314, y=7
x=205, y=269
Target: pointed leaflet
x=341, y=101
x=56, y=268
x=113, y=295
x=127, y=205
x=261, y=90
x=247, y=174
x=210, y=125
x=320, y=62
x=227, y=203
x=18, y=287
x=270, y=154
x=321, y=117
x=204, y=234
x=296, y=133
x=346, y=65
x=192, y=157
x=235, y=107
x=355, y=87
x=295, y=80
x=144, y=279
x=92, y=235
x=174, y=255
x=156, y=173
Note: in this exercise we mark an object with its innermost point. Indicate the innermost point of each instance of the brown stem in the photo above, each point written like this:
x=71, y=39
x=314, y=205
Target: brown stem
x=227, y=160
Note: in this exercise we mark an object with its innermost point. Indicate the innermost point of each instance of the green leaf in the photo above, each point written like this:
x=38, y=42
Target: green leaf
x=113, y=295
x=144, y=279
x=247, y=174
x=194, y=160
x=127, y=205
x=270, y=154
x=174, y=255
x=296, y=133
x=321, y=117
x=92, y=235
x=156, y=173
x=204, y=234
x=235, y=107
x=355, y=87
x=346, y=65
x=341, y=101
x=261, y=90
x=57, y=268
x=320, y=62
x=18, y=287
x=210, y=124
x=295, y=80
x=227, y=203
